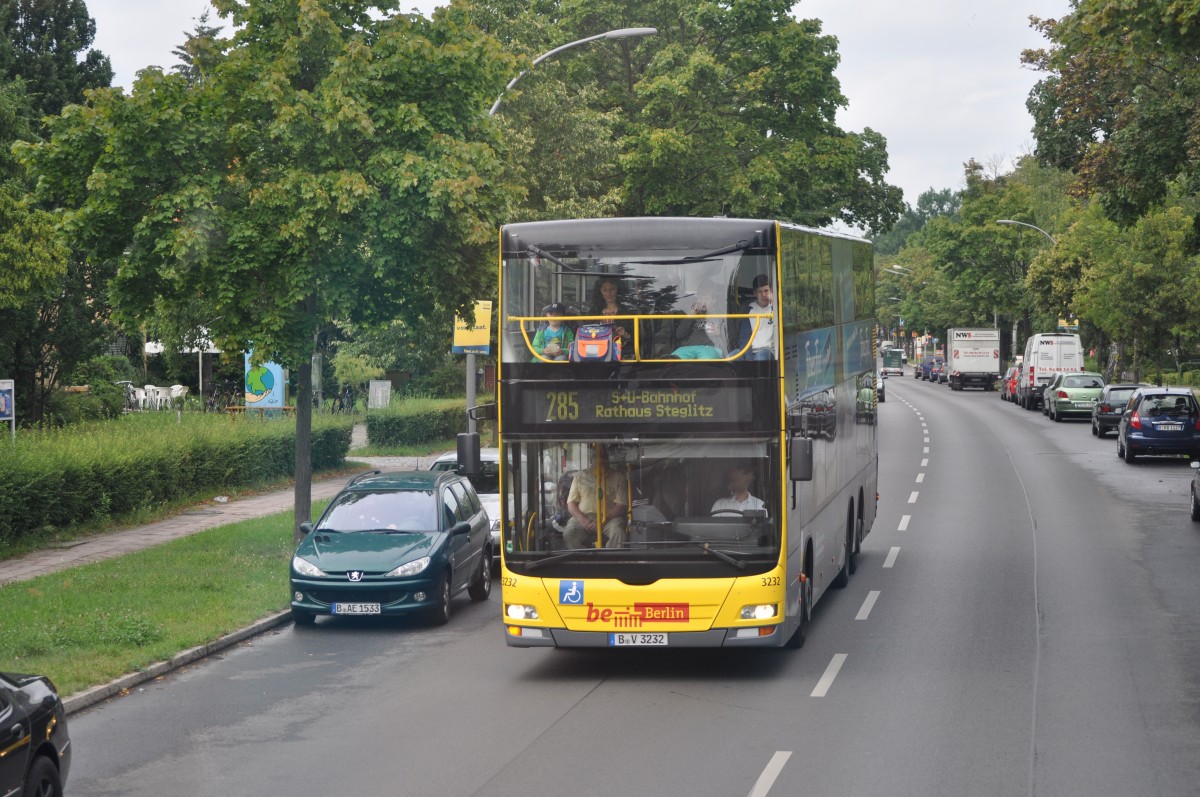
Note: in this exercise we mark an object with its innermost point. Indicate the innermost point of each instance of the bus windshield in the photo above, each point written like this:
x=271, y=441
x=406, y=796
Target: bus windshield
x=645, y=502
x=654, y=290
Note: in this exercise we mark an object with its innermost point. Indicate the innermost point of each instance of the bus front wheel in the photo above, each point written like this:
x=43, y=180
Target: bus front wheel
x=806, y=593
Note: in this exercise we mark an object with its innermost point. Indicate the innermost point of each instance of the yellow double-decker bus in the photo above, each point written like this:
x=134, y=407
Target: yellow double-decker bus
x=686, y=429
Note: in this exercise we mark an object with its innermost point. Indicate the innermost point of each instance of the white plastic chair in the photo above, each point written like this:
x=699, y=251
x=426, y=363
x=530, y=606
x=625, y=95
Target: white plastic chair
x=177, y=392
x=150, y=401
x=139, y=397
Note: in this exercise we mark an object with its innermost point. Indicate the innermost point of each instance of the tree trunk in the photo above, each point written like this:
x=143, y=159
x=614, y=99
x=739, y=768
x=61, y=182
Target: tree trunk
x=303, y=488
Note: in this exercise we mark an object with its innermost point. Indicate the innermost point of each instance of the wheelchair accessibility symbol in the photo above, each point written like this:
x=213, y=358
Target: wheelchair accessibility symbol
x=570, y=593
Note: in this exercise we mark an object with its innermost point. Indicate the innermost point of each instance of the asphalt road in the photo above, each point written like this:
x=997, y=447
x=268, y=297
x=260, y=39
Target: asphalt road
x=1025, y=620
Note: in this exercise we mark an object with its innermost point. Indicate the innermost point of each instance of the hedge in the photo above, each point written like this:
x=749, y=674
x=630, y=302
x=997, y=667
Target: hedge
x=417, y=421
x=94, y=472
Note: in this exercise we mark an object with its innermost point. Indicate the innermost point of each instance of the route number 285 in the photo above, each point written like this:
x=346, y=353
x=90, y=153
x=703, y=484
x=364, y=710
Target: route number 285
x=562, y=405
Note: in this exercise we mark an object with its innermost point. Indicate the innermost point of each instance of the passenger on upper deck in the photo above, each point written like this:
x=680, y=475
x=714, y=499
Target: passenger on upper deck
x=702, y=337
x=763, y=347
x=553, y=340
x=604, y=302
x=741, y=479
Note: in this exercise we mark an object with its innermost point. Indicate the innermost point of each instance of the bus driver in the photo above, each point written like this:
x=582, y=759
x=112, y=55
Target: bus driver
x=741, y=479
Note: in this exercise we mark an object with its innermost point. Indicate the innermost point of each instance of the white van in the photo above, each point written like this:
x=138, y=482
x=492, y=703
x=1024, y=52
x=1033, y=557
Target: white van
x=1046, y=354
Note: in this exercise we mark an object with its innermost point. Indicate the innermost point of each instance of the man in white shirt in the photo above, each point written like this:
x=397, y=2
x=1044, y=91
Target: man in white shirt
x=763, y=345
x=741, y=479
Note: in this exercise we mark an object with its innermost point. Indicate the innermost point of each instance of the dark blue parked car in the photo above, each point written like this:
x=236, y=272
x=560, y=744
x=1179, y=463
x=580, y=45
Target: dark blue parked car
x=1159, y=420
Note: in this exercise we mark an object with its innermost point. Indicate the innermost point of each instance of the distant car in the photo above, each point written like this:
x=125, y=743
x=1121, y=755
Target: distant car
x=1159, y=420
x=487, y=484
x=1109, y=407
x=881, y=385
x=35, y=748
x=1073, y=395
x=394, y=544
x=1008, y=384
x=1048, y=390
x=927, y=365
x=943, y=374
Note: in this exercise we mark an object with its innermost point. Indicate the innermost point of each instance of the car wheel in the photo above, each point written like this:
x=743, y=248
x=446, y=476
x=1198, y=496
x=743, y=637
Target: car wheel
x=439, y=614
x=1195, y=505
x=1056, y=417
x=301, y=617
x=1095, y=431
x=481, y=587
x=1129, y=455
x=1101, y=430
x=43, y=779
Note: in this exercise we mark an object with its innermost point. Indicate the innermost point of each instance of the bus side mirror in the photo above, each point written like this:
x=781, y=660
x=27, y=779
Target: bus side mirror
x=800, y=459
x=468, y=454
x=482, y=412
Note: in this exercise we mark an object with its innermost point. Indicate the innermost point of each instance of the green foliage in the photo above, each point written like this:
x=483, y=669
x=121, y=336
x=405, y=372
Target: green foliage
x=730, y=109
x=417, y=421
x=59, y=478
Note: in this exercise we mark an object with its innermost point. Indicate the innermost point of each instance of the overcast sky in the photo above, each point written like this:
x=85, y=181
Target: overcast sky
x=940, y=79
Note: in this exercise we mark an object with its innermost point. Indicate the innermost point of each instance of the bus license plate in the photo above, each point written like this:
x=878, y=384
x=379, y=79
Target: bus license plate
x=631, y=640
x=356, y=608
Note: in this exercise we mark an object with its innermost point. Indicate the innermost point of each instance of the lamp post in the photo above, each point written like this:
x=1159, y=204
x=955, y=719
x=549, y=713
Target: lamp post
x=1052, y=243
x=621, y=33
x=1030, y=226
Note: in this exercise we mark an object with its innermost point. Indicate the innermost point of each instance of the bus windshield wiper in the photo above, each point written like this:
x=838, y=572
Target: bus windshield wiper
x=558, y=557
x=724, y=556
x=740, y=246
x=540, y=252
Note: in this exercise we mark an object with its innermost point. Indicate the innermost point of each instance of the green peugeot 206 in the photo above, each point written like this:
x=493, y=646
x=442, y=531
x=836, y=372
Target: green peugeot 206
x=1073, y=395
x=394, y=544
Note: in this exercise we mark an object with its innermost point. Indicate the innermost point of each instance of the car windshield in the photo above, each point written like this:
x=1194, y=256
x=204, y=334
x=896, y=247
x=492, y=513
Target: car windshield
x=390, y=510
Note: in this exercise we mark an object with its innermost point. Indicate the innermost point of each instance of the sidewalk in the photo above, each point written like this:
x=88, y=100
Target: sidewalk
x=206, y=516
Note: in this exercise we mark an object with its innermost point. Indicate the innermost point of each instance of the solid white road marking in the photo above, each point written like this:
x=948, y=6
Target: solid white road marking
x=920, y=478
x=767, y=779
x=830, y=673
x=912, y=498
x=865, y=610
x=904, y=523
x=891, y=557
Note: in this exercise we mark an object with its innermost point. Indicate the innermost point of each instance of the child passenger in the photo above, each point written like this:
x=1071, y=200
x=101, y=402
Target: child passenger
x=553, y=340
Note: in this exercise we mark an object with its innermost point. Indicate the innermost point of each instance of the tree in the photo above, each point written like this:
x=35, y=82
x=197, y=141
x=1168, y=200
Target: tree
x=332, y=164
x=52, y=303
x=1121, y=105
x=730, y=109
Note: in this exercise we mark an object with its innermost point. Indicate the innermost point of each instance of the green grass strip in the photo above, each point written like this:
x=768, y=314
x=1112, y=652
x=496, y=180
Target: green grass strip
x=90, y=624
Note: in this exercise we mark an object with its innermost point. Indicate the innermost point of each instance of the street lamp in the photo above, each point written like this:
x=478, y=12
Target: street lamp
x=621, y=33
x=1031, y=226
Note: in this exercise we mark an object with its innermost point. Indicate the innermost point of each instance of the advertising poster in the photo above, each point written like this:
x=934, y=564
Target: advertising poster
x=476, y=339
x=265, y=385
x=7, y=401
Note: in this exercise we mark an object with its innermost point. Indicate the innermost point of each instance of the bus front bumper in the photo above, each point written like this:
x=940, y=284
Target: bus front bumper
x=527, y=637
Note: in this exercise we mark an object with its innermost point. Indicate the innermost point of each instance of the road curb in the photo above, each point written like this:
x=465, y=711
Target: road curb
x=97, y=694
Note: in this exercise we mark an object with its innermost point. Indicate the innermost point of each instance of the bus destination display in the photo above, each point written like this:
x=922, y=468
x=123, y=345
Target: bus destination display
x=727, y=404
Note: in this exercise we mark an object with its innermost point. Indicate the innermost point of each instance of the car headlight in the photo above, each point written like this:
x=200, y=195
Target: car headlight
x=306, y=568
x=409, y=568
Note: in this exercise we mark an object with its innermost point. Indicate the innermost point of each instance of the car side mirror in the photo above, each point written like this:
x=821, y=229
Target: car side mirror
x=462, y=527
x=306, y=528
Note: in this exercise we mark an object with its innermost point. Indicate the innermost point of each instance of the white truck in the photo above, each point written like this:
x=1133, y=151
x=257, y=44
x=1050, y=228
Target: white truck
x=973, y=358
x=1046, y=354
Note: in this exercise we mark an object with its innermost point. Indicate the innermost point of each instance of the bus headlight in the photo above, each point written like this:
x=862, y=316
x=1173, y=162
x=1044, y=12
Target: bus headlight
x=518, y=611
x=758, y=611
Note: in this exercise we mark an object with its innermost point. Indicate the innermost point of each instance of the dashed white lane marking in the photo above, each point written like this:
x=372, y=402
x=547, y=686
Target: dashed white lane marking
x=767, y=779
x=891, y=557
x=925, y=463
x=865, y=610
x=926, y=451
x=830, y=673
x=904, y=523
x=920, y=478
x=912, y=498
x=926, y=439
